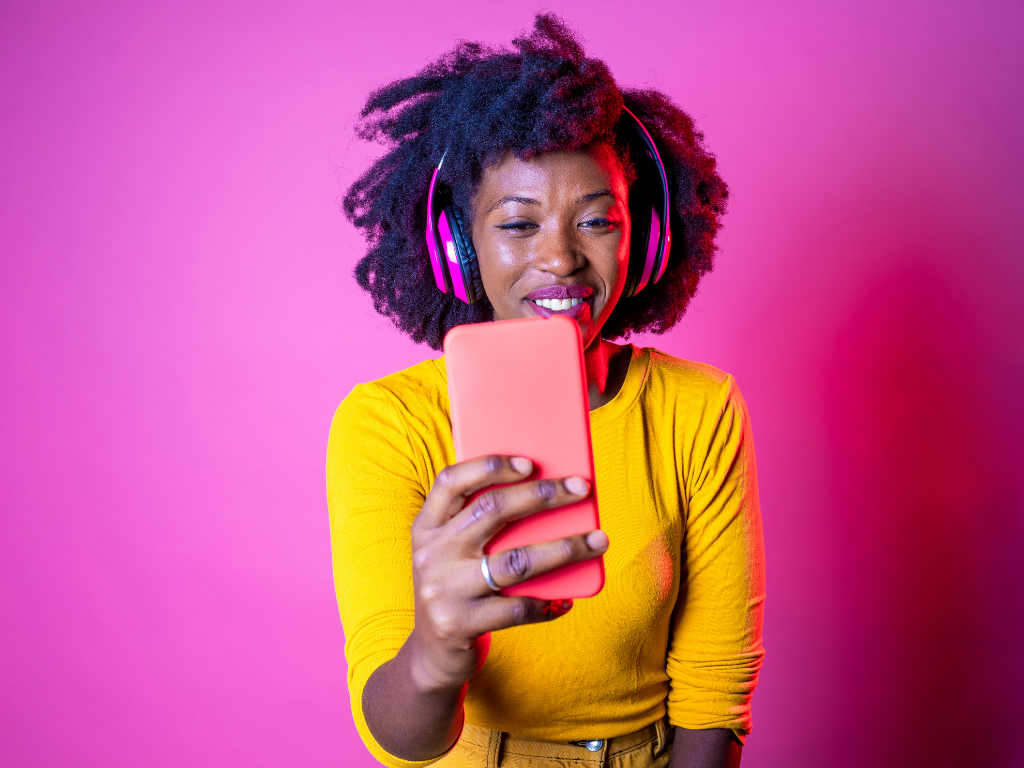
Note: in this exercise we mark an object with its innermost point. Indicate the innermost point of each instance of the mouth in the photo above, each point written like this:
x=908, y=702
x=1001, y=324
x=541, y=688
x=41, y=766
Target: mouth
x=569, y=300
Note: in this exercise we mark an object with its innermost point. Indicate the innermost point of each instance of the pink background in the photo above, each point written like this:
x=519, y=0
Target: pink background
x=178, y=324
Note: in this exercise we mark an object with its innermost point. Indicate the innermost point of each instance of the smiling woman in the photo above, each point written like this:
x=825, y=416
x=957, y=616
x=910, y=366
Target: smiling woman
x=557, y=194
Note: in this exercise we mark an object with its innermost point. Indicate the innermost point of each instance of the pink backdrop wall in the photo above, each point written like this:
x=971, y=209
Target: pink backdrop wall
x=178, y=323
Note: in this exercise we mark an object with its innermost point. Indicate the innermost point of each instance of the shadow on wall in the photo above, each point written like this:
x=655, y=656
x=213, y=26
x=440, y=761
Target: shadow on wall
x=927, y=516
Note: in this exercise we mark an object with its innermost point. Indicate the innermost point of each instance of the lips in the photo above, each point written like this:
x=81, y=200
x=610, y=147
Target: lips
x=561, y=292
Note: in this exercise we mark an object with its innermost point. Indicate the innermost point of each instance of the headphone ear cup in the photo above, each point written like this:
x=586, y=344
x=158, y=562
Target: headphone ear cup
x=640, y=235
x=469, y=267
x=650, y=208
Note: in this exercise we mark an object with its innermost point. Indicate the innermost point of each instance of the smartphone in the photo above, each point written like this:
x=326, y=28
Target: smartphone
x=519, y=387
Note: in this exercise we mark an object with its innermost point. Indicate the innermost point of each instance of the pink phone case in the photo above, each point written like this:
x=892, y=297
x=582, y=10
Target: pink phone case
x=518, y=387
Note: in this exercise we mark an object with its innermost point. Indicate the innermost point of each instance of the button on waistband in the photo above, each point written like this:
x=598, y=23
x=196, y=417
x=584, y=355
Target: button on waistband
x=594, y=745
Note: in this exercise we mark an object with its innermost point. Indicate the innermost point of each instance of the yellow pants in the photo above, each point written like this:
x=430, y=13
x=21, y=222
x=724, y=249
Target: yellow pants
x=650, y=747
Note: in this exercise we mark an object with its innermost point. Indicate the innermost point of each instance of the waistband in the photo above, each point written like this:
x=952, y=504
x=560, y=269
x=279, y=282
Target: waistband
x=498, y=745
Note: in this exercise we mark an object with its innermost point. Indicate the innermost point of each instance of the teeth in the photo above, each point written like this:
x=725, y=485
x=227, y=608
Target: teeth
x=557, y=305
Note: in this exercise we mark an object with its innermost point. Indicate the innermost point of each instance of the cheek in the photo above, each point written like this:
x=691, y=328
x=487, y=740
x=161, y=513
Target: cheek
x=620, y=261
x=499, y=267
x=622, y=256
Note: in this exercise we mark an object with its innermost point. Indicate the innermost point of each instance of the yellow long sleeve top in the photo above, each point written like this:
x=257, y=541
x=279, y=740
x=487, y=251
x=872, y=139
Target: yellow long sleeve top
x=677, y=626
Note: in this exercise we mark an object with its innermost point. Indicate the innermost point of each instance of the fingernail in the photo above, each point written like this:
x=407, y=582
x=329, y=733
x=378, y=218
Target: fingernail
x=597, y=540
x=576, y=485
x=559, y=606
x=521, y=465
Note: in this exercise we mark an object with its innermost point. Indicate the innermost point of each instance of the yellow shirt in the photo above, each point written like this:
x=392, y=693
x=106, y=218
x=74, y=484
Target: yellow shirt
x=677, y=626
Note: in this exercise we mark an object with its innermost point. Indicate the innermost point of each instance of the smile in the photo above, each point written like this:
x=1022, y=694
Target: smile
x=578, y=309
x=570, y=300
x=557, y=304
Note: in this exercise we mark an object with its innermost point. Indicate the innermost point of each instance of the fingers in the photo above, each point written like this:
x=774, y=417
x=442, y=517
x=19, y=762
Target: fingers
x=504, y=612
x=513, y=566
x=491, y=511
x=455, y=483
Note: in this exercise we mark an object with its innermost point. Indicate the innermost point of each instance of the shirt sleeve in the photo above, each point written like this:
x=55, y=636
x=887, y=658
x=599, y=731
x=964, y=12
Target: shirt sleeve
x=715, y=652
x=374, y=491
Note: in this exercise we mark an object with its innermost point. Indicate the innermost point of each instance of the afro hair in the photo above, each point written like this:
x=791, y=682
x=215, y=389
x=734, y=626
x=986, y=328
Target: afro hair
x=476, y=104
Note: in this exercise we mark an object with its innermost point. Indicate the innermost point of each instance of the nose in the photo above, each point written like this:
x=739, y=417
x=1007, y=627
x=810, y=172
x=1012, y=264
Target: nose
x=559, y=253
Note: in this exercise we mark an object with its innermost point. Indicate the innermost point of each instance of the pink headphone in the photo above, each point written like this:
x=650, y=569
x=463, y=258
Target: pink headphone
x=453, y=258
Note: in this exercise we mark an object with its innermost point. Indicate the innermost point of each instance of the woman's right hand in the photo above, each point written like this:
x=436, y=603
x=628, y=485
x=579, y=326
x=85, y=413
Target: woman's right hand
x=455, y=607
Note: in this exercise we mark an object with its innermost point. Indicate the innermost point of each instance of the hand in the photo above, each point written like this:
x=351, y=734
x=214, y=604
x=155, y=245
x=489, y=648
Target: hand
x=455, y=608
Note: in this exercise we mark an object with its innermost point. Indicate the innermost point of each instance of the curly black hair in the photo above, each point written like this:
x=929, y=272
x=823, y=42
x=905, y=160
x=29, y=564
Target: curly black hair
x=477, y=103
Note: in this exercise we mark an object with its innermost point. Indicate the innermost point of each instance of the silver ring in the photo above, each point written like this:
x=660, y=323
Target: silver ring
x=487, y=574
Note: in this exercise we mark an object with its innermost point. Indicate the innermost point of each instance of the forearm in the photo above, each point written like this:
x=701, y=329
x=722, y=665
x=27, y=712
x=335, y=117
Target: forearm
x=711, y=748
x=412, y=704
x=408, y=715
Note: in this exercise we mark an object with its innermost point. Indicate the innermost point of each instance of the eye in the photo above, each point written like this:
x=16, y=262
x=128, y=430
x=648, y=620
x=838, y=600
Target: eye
x=601, y=222
x=517, y=226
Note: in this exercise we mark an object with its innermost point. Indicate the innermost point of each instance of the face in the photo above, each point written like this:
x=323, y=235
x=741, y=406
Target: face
x=552, y=236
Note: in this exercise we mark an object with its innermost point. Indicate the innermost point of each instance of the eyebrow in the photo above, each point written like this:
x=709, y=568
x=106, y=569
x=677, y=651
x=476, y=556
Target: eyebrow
x=530, y=201
x=513, y=199
x=594, y=195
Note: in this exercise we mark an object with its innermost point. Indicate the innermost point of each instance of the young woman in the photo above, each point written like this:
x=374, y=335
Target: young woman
x=548, y=177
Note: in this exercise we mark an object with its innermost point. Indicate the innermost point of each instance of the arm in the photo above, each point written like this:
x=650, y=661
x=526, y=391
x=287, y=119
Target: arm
x=413, y=703
x=413, y=602
x=711, y=748
x=409, y=718
x=715, y=653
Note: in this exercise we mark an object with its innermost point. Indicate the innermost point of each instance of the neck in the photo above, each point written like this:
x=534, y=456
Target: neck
x=606, y=364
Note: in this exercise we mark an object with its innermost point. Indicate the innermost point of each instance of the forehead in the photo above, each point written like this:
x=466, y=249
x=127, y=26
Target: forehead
x=554, y=173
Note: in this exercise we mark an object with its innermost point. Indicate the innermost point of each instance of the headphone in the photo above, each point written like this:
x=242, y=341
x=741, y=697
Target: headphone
x=453, y=257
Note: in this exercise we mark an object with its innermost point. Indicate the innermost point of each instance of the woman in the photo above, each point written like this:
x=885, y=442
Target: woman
x=659, y=668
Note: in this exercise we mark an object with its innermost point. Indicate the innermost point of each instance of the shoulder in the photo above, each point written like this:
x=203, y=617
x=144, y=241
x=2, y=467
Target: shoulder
x=702, y=407
x=406, y=411
x=402, y=418
x=421, y=387
x=672, y=378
